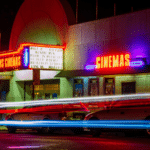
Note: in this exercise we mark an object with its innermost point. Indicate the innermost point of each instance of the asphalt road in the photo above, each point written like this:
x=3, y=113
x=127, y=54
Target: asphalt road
x=31, y=140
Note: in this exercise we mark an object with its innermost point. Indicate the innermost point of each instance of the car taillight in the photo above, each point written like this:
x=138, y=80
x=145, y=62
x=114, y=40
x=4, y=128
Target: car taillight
x=86, y=118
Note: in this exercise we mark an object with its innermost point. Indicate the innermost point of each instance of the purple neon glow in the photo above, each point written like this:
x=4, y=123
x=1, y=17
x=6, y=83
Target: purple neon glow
x=138, y=46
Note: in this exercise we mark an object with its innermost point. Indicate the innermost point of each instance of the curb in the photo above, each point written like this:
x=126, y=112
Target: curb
x=3, y=128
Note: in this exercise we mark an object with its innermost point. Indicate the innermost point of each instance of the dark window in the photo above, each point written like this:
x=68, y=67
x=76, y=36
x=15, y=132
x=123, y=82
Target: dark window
x=4, y=85
x=128, y=87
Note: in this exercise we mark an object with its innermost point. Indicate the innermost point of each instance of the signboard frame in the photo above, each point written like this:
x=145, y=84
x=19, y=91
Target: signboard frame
x=55, y=57
x=19, y=59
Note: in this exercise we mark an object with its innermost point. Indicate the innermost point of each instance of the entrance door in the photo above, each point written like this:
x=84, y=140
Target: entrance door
x=78, y=88
x=109, y=86
x=4, y=88
x=3, y=96
x=93, y=87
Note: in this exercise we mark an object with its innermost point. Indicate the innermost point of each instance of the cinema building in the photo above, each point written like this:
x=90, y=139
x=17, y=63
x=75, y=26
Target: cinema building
x=102, y=57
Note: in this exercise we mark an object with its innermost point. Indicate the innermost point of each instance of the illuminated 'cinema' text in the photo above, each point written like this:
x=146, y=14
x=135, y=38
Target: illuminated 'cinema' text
x=113, y=61
x=10, y=62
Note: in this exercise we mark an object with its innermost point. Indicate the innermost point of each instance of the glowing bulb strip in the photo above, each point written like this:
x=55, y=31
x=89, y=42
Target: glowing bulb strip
x=130, y=124
x=77, y=100
x=21, y=46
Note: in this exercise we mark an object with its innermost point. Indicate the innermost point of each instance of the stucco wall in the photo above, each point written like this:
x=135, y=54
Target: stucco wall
x=39, y=22
x=142, y=82
x=120, y=34
x=16, y=92
x=66, y=88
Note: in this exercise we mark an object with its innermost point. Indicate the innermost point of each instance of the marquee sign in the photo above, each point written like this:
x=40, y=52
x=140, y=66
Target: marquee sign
x=46, y=58
x=32, y=56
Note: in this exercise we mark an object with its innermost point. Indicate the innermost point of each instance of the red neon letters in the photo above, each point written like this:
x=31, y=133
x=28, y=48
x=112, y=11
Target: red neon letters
x=113, y=61
x=10, y=62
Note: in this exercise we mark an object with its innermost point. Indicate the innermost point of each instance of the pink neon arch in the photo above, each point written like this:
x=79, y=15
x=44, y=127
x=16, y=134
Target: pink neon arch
x=37, y=21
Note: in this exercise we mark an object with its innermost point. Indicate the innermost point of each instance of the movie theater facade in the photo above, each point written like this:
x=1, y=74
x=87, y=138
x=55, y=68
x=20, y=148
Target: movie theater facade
x=102, y=57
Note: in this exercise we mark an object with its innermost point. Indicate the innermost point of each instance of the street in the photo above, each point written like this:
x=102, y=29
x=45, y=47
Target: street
x=31, y=140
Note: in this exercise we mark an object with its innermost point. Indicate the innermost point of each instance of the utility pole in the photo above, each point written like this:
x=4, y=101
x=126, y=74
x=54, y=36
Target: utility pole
x=76, y=11
x=131, y=9
x=114, y=9
x=96, y=9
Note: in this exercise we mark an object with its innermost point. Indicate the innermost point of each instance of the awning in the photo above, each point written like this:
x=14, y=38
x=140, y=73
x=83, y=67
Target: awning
x=109, y=71
x=6, y=75
x=74, y=73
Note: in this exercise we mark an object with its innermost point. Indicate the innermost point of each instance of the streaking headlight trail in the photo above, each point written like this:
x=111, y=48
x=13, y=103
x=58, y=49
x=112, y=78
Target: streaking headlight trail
x=128, y=124
x=77, y=100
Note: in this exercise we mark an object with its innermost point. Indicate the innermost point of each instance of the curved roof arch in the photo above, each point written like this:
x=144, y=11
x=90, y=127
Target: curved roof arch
x=40, y=21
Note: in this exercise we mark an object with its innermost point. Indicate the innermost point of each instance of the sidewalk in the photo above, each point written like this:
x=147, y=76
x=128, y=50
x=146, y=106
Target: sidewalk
x=3, y=128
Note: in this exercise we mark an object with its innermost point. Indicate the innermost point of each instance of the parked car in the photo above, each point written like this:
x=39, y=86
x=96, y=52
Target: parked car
x=77, y=115
x=29, y=115
x=120, y=113
x=44, y=114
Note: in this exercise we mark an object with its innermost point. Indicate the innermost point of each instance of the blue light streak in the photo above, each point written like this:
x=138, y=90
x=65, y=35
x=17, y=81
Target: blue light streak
x=122, y=124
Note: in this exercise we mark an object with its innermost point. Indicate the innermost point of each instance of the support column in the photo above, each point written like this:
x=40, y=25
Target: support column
x=96, y=9
x=36, y=79
x=114, y=9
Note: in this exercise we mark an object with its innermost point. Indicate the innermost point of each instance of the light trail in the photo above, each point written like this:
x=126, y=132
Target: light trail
x=77, y=100
x=23, y=147
x=128, y=124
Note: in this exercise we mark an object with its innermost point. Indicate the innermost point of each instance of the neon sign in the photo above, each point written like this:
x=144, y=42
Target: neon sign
x=26, y=57
x=10, y=62
x=138, y=62
x=21, y=59
x=113, y=61
x=90, y=67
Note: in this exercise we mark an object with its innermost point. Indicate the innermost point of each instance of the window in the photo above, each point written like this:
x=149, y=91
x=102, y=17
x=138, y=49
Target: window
x=45, y=90
x=128, y=87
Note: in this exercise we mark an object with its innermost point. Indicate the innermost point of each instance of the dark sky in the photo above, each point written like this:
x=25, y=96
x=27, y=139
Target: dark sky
x=86, y=12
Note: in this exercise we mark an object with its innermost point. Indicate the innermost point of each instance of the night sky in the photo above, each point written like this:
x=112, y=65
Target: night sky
x=86, y=12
